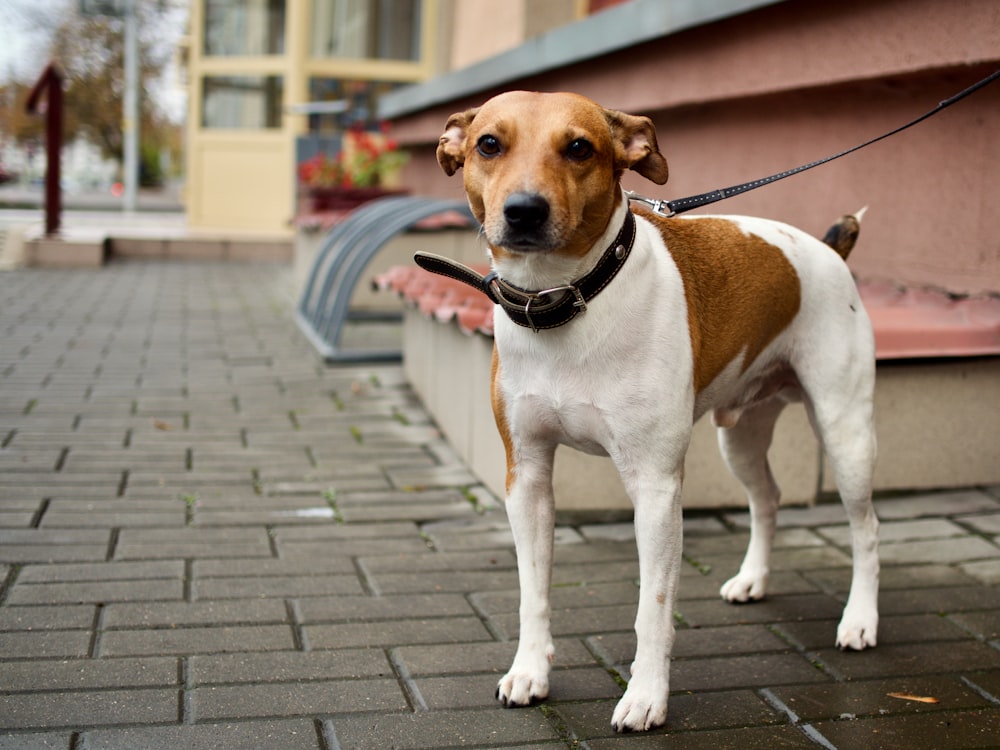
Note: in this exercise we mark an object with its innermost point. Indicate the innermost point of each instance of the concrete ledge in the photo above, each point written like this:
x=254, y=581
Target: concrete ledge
x=204, y=248
x=63, y=252
x=934, y=421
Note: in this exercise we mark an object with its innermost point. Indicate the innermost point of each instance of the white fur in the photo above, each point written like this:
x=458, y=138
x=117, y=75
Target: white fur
x=618, y=381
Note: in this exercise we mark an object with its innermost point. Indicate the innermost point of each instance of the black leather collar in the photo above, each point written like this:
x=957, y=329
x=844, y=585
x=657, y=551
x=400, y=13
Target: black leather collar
x=545, y=308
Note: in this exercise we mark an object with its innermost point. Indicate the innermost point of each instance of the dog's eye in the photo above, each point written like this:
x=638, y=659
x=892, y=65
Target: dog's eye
x=580, y=149
x=488, y=145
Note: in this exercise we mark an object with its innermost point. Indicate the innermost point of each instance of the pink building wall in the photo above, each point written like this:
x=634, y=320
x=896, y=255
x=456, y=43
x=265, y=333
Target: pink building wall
x=789, y=83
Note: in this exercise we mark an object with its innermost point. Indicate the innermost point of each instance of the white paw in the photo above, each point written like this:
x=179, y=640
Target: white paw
x=640, y=709
x=857, y=631
x=744, y=587
x=522, y=688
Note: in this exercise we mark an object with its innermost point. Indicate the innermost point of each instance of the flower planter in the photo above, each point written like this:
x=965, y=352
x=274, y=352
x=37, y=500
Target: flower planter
x=319, y=199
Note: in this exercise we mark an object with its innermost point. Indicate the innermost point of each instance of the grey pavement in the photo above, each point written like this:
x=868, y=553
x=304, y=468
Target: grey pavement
x=209, y=539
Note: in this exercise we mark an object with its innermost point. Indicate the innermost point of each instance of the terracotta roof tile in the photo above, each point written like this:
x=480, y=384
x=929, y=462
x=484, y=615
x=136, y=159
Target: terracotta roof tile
x=908, y=323
x=911, y=322
x=441, y=298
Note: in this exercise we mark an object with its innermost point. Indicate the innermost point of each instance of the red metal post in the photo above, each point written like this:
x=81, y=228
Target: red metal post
x=49, y=85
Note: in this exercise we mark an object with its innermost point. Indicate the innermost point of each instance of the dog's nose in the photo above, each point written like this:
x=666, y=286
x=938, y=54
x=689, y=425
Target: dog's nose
x=525, y=211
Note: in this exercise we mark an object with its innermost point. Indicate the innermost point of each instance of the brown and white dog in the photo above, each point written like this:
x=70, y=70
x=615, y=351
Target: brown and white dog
x=725, y=314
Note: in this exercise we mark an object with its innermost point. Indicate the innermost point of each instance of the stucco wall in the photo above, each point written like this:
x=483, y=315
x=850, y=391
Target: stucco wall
x=769, y=89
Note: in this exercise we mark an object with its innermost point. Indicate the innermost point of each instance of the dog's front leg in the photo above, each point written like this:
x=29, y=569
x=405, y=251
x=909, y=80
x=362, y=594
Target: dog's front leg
x=658, y=534
x=531, y=511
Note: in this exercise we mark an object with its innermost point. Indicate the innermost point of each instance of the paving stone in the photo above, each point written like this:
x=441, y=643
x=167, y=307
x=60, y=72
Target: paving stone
x=439, y=581
x=493, y=657
x=744, y=738
x=983, y=624
x=35, y=741
x=45, y=644
x=822, y=514
x=619, y=648
x=854, y=699
x=958, y=549
x=562, y=597
x=740, y=671
x=962, y=729
x=700, y=613
x=952, y=599
x=986, y=684
x=297, y=699
x=55, y=617
x=897, y=531
x=987, y=523
x=99, y=592
x=278, y=586
x=892, y=629
x=479, y=690
x=986, y=571
x=488, y=560
x=79, y=674
x=957, y=503
x=430, y=729
x=289, y=734
x=581, y=621
x=397, y=633
x=181, y=613
x=44, y=553
x=376, y=532
x=288, y=666
x=243, y=568
x=91, y=709
x=685, y=712
x=367, y=608
x=119, y=571
x=911, y=659
x=894, y=577
x=196, y=640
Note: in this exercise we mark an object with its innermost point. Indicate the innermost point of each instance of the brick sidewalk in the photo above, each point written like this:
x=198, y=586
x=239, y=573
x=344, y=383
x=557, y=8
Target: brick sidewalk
x=210, y=540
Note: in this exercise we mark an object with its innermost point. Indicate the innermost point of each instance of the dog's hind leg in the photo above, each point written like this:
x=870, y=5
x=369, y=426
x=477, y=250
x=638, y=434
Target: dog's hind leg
x=744, y=447
x=846, y=427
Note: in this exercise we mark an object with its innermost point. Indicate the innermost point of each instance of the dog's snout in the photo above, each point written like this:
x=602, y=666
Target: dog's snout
x=525, y=211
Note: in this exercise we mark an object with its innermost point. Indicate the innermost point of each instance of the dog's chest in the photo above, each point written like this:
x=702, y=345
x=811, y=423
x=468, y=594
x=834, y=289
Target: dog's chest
x=565, y=414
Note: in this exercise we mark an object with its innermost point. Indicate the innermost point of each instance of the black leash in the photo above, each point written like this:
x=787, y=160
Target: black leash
x=672, y=208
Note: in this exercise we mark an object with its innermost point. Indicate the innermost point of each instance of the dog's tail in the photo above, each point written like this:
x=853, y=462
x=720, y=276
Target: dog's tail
x=844, y=233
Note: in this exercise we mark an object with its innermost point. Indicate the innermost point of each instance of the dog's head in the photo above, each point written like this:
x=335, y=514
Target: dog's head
x=542, y=170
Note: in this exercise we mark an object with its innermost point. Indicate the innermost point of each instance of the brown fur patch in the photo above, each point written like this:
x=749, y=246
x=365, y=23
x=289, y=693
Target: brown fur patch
x=741, y=291
x=500, y=416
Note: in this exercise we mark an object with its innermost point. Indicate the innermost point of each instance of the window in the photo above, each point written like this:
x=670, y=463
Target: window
x=242, y=102
x=366, y=29
x=359, y=99
x=244, y=27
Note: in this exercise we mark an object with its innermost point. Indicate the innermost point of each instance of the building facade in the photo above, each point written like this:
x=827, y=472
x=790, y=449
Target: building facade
x=254, y=65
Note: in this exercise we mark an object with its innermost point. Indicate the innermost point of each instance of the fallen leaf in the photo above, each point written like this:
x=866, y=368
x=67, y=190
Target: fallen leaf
x=917, y=698
x=161, y=425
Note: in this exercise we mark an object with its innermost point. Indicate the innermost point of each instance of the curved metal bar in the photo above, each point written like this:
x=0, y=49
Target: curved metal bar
x=324, y=306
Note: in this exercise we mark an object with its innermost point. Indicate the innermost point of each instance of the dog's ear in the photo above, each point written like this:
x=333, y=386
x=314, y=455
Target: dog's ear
x=635, y=146
x=451, y=144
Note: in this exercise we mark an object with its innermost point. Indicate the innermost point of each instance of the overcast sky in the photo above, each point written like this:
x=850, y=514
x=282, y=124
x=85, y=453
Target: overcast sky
x=24, y=35
x=26, y=25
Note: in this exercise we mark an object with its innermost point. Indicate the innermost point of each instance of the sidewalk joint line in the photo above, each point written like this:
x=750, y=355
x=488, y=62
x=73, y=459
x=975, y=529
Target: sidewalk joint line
x=406, y=681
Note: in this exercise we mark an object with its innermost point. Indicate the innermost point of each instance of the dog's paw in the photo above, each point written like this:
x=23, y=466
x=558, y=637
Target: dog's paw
x=857, y=632
x=744, y=587
x=522, y=689
x=640, y=710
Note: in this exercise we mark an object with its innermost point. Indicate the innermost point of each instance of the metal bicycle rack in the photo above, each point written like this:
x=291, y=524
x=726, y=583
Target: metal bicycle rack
x=324, y=307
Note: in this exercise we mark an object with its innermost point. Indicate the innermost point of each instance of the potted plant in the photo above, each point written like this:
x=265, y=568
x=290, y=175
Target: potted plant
x=367, y=167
